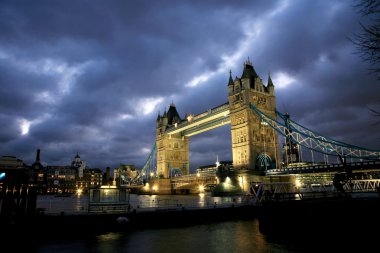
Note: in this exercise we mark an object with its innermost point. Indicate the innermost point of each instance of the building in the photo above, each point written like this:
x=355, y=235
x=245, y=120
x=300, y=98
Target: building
x=254, y=144
x=38, y=175
x=79, y=165
x=92, y=178
x=172, y=150
x=61, y=179
x=17, y=198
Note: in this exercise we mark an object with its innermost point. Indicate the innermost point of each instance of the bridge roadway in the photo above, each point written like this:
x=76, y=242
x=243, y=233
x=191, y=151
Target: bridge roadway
x=326, y=168
x=310, y=173
x=193, y=180
x=203, y=122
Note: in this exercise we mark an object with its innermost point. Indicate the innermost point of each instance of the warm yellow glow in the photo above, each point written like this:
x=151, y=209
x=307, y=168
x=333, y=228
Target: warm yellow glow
x=151, y=174
x=201, y=188
x=298, y=183
x=108, y=186
x=79, y=191
x=241, y=180
x=198, y=174
x=155, y=188
x=190, y=118
x=228, y=180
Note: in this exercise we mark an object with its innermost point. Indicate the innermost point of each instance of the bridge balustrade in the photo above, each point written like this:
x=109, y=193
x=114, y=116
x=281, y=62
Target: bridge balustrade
x=364, y=185
x=374, y=165
x=199, y=178
x=288, y=190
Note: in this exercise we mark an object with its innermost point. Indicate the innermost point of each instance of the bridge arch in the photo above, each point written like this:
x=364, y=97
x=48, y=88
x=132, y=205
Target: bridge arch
x=264, y=162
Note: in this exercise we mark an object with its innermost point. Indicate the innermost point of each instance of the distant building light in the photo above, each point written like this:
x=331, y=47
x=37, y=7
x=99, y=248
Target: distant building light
x=190, y=118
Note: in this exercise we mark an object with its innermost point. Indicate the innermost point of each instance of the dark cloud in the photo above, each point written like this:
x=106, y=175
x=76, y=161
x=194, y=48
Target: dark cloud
x=81, y=74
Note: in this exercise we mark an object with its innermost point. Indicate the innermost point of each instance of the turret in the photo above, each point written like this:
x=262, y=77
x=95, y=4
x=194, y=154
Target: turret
x=173, y=116
x=270, y=86
x=237, y=84
x=165, y=118
x=159, y=120
x=230, y=85
x=249, y=75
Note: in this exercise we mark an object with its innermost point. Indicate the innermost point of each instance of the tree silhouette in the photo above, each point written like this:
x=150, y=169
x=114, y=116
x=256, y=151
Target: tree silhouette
x=368, y=41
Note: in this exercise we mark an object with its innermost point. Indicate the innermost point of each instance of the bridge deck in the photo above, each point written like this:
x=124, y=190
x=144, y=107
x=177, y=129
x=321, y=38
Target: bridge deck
x=320, y=168
x=211, y=119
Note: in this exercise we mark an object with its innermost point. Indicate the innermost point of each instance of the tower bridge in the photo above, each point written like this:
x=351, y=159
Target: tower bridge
x=254, y=145
x=255, y=129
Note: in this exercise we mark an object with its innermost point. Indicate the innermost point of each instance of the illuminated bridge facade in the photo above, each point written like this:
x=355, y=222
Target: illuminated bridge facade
x=254, y=145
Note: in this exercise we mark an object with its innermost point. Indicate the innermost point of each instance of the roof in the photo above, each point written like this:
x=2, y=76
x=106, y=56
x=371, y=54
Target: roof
x=249, y=73
x=270, y=83
x=173, y=115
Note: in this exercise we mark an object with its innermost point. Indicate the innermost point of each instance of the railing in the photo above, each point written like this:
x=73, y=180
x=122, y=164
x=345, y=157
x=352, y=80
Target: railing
x=365, y=185
x=325, y=167
x=108, y=207
x=200, y=117
x=206, y=202
x=200, y=178
x=290, y=191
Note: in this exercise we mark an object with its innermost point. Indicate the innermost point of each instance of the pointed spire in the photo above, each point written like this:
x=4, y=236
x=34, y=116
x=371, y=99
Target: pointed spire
x=230, y=81
x=172, y=104
x=249, y=70
x=38, y=156
x=159, y=116
x=165, y=113
x=270, y=82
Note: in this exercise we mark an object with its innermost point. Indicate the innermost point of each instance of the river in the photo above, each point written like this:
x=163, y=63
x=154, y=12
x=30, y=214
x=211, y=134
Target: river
x=228, y=236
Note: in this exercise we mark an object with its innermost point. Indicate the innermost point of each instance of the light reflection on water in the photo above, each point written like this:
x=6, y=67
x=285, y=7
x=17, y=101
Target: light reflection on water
x=232, y=236
x=78, y=203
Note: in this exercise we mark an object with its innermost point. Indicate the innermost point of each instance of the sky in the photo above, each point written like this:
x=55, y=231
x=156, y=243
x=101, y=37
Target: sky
x=91, y=76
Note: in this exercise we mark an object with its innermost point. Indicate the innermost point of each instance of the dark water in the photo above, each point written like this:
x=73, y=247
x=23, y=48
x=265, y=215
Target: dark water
x=299, y=235
x=231, y=236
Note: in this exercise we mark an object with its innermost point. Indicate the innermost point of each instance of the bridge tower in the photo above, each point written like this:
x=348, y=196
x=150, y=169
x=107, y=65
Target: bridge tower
x=254, y=144
x=172, y=149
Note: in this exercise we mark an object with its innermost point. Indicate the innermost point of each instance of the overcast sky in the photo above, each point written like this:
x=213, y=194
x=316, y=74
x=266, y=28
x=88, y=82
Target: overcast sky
x=91, y=76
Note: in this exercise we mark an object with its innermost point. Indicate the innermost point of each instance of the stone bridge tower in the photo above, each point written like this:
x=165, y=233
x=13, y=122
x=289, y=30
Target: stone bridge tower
x=254, y=144
x=172, y=149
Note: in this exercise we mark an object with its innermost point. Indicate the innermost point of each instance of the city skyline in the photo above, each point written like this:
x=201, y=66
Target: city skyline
x=91, y=78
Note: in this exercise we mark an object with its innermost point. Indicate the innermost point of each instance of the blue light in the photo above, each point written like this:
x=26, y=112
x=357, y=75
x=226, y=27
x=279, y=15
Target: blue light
x=2, y=175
